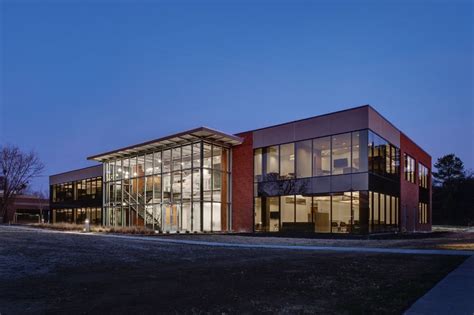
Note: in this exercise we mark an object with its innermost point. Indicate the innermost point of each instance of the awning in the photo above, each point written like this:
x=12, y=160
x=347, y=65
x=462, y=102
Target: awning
x=201, y=133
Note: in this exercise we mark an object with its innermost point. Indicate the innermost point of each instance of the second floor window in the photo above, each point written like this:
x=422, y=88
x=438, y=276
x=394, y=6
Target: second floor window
x=409, y=169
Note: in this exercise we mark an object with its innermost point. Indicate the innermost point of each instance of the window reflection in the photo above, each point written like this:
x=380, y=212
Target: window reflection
x=341, y=154
x=303, y=159
x=272, y=163
x=322, y=156
x=287, y=161
x=257, y=164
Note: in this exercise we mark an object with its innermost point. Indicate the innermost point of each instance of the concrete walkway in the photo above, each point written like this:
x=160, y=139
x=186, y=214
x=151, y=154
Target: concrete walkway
x=453, y=295
x=266, y=246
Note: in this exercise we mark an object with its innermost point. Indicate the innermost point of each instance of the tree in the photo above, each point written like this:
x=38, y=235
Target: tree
x=17, y=169
x=450, y=168
x=43, y=196
x=453, y=200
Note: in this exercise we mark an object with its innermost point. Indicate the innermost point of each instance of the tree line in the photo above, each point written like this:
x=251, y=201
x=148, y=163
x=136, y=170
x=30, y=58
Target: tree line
x=453, y=192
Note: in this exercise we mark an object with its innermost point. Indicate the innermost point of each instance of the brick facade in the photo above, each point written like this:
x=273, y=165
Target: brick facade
x=242, y=185
x=409, y=192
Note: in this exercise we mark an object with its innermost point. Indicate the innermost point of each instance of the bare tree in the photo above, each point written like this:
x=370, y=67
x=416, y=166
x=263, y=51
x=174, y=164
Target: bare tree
x=43, y=200
x=17, y=168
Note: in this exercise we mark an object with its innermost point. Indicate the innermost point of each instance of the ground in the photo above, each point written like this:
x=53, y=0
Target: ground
x=56, y=272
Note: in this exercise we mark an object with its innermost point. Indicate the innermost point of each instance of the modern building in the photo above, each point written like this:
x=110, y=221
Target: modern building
x=350, y=171
x=76, y=196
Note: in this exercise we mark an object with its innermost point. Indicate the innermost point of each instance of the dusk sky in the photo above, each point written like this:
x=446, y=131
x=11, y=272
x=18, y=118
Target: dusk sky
x=81, y=78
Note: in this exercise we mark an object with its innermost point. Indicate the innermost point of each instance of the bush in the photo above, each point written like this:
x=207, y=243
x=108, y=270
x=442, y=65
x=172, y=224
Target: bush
x=138, y=230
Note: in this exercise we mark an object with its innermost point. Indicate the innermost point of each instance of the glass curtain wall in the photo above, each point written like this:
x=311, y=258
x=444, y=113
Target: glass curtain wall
x=384, y=158
x=335, y=155
x=77, y=215
x=182, y=189
x=332, y=213
x=384, y=212
x=335, y=211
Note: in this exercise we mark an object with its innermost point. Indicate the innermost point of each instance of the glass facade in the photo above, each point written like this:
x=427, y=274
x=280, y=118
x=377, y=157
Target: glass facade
x=303, y=185
x=331, y=213
x=77, y=215
x=85, y=189
x=384, y=212
x=384, y=158
x=76, y=201
x=180, y=189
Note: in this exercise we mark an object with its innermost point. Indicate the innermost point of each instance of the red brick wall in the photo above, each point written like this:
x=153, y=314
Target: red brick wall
x=242, y=185
x=409, y=193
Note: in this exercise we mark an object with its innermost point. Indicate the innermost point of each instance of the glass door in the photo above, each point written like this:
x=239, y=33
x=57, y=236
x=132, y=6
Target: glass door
x=170, y=218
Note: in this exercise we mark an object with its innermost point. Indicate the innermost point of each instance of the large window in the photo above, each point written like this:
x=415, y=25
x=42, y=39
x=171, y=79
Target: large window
x=267, y=214
x=185, y=188
x=409, y=169
x=359, y=151
x=384, y=158
x=272, y=163
x=333, y=213
x=322, y=156
x=287, y=209
x=423, y=176
x=341, y=213
x=384, y=212
x=77, y=215
x=423, y=213
x=85, y=189
x=257, y=164
x=341, y=154
x=322, y=214
x=334, y=155
x=287, y=161
x=303, y=159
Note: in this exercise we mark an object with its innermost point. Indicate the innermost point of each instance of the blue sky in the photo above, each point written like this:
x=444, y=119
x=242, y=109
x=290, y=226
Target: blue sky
x=83, y=77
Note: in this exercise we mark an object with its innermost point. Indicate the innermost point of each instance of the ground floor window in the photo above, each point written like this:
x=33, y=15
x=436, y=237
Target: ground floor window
x=423, y=213
x=77, y=215
x=172, y=217
x=345, y=212
x=331, y=213
x=384, y=212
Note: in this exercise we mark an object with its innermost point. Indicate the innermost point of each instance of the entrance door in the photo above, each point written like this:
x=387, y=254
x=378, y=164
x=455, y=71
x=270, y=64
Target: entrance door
x=170, y=218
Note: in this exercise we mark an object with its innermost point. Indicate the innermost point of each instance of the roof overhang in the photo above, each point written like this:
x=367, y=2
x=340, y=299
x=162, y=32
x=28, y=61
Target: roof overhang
x=182, y=138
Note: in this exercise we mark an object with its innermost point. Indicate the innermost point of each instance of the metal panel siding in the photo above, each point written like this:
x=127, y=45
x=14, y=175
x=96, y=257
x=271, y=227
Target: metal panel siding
x=383, y=127
x=83, y=173
x=320, y=126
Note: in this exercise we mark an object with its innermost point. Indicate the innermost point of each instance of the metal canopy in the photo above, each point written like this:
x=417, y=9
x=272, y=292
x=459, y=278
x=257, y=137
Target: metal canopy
x=201, y=133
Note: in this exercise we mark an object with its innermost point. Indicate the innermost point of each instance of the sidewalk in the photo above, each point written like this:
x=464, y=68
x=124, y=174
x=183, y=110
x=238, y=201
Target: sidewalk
x=453, y=295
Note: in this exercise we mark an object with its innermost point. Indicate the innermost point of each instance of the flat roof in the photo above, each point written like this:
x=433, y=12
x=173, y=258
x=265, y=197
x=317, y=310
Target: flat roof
x=332, y=113
x=201, y=133
x=77, y=174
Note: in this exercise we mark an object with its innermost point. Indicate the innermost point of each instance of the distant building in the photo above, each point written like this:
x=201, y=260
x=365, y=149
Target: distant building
x=27, y=209
x=350, y=171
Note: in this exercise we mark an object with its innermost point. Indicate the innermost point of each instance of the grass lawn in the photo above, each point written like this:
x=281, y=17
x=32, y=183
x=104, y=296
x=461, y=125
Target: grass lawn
x=53, y=272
